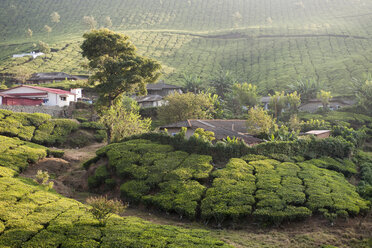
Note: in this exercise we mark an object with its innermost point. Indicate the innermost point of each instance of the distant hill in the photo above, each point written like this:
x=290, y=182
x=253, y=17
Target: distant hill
x=268, y=43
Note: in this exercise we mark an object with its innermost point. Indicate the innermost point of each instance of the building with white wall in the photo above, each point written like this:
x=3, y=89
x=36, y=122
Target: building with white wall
x=34, y=95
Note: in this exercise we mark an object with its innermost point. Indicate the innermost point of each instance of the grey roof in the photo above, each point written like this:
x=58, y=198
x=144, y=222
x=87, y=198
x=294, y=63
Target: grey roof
x=221, y=128
x=149, y=98
x=160, y=86
x=265, y=99
x=50, y=76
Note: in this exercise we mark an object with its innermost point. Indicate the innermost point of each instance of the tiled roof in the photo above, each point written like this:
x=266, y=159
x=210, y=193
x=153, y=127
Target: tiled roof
x=160, y=86
x=50, y=76
x=221, y=128
x=50, y=90
x=149, y=98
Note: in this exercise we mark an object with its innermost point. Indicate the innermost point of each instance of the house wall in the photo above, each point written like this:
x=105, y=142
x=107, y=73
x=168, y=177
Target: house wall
x=55, y=99
x=323, y=135
x=77, y=92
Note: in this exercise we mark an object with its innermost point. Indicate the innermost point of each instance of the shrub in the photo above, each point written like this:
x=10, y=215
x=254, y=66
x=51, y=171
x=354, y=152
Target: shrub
x=55, y=153
x=345, y=166
x=102, y=208
x=134, y=190
x=179, y=196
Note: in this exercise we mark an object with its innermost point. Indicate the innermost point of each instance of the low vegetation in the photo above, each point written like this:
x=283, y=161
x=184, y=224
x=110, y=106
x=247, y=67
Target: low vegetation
x=255, y=186
x=32, y=216
x=42, y=129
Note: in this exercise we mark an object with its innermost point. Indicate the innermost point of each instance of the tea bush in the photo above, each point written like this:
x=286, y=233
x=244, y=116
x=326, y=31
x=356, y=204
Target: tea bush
x=17, y=154
x=42, y=129
x=253, y=186
x=33, y=217
x=231, y=194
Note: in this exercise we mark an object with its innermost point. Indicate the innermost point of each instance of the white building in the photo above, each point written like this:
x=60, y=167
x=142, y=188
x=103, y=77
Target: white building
x=33, y=95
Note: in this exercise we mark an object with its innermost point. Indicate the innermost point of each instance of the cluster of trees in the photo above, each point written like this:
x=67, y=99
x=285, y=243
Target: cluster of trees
x=118, y=71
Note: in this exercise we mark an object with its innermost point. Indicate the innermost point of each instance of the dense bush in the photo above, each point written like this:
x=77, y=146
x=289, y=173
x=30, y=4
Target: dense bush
x=41, y=129
x=33, y=218
x=231, y=194
x=346, y=167
x=253, y=186
x=16, y=154
x=178, y=196
x=364, y=160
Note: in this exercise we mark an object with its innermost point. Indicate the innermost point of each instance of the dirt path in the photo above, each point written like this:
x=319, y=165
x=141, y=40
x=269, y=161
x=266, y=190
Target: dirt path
x=69, y=177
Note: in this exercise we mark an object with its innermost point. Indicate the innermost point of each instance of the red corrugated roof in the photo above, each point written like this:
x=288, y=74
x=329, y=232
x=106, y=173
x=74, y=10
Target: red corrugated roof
x=50, y=90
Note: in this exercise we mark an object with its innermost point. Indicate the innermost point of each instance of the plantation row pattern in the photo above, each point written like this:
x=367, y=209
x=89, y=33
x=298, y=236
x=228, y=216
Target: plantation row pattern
x=33, y=217
x=249, y=187
x=41, y=128
x=313, y=39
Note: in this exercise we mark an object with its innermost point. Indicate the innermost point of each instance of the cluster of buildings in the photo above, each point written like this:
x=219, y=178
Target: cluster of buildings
x=31, y=95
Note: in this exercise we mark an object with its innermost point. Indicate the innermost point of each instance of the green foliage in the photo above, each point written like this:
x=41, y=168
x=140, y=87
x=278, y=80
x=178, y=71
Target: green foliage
x=314, y=124
x=37, y=127
x=260, y=122
x=178, y=196
x=117, y=68
x=102, y=208
x=357, y=137
x=16, y=154
x=181, y=107
x=231, y=195
x=55, y=153
x=345, y=166
x=121, y=121
x=134, y=190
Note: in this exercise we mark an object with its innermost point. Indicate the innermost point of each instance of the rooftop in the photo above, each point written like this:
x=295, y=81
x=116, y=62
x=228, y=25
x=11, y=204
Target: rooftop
x=317, y=132
x=160, y=86
x=50, y=90
x=51, y=76
x=221, y=128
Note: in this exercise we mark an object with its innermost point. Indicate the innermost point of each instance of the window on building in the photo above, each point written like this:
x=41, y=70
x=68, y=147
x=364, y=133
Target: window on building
x=63, y=98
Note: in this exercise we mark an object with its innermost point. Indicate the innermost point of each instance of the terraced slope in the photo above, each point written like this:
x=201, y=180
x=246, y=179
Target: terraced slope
x=33, y=216
x=268, y=43
x=248, y=187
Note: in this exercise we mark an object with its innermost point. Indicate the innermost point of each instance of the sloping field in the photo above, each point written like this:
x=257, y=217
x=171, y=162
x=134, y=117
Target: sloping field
x=268, y=43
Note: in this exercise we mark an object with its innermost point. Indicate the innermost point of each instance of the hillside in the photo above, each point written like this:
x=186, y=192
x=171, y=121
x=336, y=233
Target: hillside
x=268, y=43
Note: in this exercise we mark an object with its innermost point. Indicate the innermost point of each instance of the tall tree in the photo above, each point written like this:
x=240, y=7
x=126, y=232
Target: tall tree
x=180, y=107
x=47, y=29
x=192, y=83
x=117, y=68
x=108, y=22
x=307, y=88
x=122, y=120
x=90, y=22
x=29, y=33
x=21, y=73
x=294, y=101
x=222, y=83
x=277, y=103
x=55, y=17
x=260, y=122
x=362, y=89
x=44, y=47
x=324, y=97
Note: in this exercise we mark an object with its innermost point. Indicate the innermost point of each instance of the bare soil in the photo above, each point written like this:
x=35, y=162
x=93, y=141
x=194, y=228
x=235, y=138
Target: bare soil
x=69, y=178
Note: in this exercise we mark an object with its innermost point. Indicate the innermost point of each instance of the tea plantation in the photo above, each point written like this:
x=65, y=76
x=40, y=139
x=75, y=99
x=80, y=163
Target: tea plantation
x=41, y=128
x=33, y=216
x=253, y=187
x=267, y=43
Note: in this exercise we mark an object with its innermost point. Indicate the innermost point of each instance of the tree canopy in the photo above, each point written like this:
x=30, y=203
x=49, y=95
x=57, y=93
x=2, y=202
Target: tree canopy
x=117, y=68
x=180, y=107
